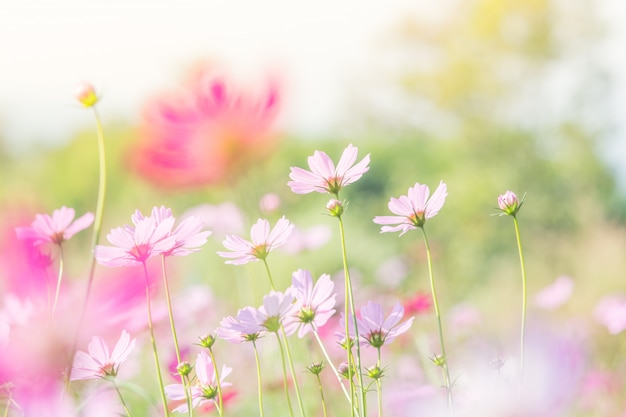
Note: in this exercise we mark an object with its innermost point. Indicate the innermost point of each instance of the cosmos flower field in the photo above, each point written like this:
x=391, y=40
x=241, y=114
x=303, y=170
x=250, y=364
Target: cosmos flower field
x=126, y=319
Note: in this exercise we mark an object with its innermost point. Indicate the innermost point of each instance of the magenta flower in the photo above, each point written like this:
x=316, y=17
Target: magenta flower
x=57, y=228
x=264, y=240
x=324, y=177
x=135, y=245
x=374, y=329
x=246, y=327
x=99, y=363
x=314, y=304
x=205, y=388
x=413, y=209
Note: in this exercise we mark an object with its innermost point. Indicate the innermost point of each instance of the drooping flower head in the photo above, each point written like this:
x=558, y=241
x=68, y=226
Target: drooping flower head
x=509, y=203
x=206, y=386
x=264, y=240
x=314, y=304
x=205, y=132
x=56, y=229
x=413, y=209
x=377, y=330
x=99, y=363
x=324, y=177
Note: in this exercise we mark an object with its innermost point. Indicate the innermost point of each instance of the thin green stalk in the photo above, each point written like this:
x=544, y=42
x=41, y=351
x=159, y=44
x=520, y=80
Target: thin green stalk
x=119, y=394
x=170, y=313
x=349, y=301
x=220, y=402
x=523, y=325
x=379, y=389
x=9, y=400
x=59, y=278
x=319, y=384
x=269, y=274
x=154, y=347
x=343, y=387
x=258, y=373
x=444, y=365
x=282, y=357
x=293, y=372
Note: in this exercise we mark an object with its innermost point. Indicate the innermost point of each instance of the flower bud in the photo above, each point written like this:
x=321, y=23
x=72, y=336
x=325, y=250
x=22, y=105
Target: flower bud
x=335, y=207
x=316, y=368
x=86, y=94
x=509, y=203
x=439, y=361
x=375, y=372
x=184, y=368
x=207, y=341
x=346, y=371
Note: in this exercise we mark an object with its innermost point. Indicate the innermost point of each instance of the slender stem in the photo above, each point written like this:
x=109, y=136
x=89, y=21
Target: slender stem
x=282, y=357
x=220, y=402
x=9, y=400
x=343, y=387
x=119, y=394
x=446, y=372
x=170, y=313
x=379, y=388
x=349, y=301
x=59, y=278
x=258, y=373
x=269, y=274
x=319, y=384
x=292, y=369
x=154, y=347
x=523, y=325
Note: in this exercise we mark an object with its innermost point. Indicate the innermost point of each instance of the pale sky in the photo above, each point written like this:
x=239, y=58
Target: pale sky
x=131, y=49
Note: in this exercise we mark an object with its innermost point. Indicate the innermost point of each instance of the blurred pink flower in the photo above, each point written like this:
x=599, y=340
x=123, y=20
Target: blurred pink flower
x=314, y=304
x=555, y=294
x=264, y=240
x=205, y=132
x=420, y=302
x=269, y=203
x=56, y=229
x=413, y=209
x=205, y=388
x=611, y=312
x=222, y=219
x=99, y=363
x=323, y=177
x=308, y=239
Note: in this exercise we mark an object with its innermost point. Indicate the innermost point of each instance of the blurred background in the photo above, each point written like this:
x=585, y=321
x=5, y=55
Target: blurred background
x=207, y=102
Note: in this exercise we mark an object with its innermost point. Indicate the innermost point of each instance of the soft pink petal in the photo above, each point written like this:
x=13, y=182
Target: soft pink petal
x=81, y=223
x=347, y=159
x=436, y=201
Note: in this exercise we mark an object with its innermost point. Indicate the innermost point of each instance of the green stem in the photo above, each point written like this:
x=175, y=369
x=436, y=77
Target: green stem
x=154, y=347
x=319, y=384
x=446, y=372
x=258, y=373
x=330, y=363
x=269, y=274
x=59, y=278
x=9, y=400
x=379, y=389
x=292, y=369
x=523, y=325
x=170, y=313
x=119, y=394
x=220, y=402
x=282, y=357
x=349, y=302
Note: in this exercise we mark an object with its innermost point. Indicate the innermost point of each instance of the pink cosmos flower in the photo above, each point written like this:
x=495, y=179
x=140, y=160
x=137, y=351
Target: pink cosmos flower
x=99, y=363
x=188, y=235
x=135, y=245
x=205, y=388
x=276, y=311
x=205, y=131
x=323, y=177
x=375, y=330
x=413, y=209
x=57, y=228
x=264, y=240
x=314, y=304
x=246, y=327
